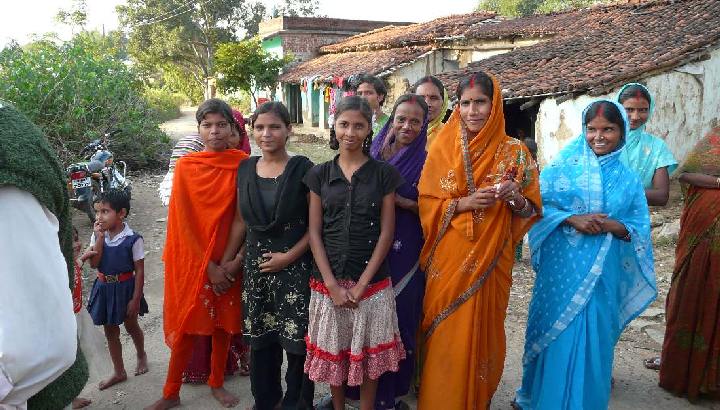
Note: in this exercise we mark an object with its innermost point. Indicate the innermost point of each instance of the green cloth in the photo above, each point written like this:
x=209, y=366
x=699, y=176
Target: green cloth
x=29, y=163
x=379, y=122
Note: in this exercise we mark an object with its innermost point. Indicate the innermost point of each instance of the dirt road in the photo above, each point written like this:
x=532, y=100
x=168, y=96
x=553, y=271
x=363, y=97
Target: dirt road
x=635, y=387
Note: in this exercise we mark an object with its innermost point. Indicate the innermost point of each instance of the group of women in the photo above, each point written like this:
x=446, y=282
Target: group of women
x=395, y=258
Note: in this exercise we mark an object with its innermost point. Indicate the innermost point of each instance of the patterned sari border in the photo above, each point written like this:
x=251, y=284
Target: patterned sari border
x=449, y=212
x=577, y=303
x=467, y=294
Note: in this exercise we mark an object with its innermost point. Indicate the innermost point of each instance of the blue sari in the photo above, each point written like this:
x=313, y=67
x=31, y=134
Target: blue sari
x=644, y=153
x=588, y=287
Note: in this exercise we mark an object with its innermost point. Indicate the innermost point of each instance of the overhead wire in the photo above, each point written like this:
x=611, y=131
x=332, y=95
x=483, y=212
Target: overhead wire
x=160, y=18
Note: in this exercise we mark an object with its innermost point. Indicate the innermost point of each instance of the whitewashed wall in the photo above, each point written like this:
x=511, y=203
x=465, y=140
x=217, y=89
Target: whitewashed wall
x=687, y=106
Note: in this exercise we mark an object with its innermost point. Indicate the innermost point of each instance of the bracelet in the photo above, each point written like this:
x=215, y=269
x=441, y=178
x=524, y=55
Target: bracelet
x=524, y=209
x=717, y=181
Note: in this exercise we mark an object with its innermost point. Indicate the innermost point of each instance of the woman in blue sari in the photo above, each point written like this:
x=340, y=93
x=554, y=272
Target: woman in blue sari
x=645, y=153
x=593, y=258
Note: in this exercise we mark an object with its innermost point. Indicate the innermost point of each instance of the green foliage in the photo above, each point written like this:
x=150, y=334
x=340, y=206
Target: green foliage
x=248, y=67
x=179, y=38
x=75, y=17
x=164, y=103
x=516, y=8
x=74, y=91
x=296, y=8
x=239, y=101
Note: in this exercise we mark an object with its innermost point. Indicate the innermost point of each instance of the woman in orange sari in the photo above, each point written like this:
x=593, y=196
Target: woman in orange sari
x=202, y=297
x=479, y=194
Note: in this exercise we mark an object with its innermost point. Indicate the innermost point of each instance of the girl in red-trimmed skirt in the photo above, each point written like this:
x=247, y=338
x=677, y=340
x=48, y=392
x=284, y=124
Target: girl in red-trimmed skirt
x=353, y=334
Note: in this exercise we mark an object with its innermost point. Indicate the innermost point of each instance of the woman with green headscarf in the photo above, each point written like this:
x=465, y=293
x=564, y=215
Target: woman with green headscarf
x=645, y=153
x=40, y=366
x=436, y=98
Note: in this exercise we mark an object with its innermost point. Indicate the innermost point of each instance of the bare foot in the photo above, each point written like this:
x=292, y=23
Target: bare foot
x=164, y=404
x=113, y=380
x=225, y=398
x=80, y=402
x=142, y=365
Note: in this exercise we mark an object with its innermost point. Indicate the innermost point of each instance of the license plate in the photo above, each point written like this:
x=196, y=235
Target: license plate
x=81, y=183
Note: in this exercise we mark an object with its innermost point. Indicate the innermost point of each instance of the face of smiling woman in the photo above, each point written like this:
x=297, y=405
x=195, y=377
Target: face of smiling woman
x=407, y=123
x=475, y=108
x=351, y=129
x=602, y=135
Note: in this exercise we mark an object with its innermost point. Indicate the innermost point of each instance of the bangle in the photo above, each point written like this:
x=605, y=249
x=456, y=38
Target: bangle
x=522, y=210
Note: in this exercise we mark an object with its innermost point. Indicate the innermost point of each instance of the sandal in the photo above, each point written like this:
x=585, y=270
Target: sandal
x=652, y=363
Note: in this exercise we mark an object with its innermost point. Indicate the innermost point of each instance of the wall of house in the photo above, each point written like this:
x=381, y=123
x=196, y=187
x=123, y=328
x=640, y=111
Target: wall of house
x=686, y=108
x=305, y=45
x=400, y=80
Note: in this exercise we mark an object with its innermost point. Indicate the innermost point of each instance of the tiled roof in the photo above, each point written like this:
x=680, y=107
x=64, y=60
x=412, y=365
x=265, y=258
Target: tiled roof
x=344, y=64
x=414, y=34
x=605, y=47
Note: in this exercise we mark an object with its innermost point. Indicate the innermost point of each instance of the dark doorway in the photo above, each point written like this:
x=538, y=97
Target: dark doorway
x=520, y=117
x=294, y=103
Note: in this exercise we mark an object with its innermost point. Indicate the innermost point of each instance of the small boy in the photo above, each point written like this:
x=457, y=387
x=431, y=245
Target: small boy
x=117, y=294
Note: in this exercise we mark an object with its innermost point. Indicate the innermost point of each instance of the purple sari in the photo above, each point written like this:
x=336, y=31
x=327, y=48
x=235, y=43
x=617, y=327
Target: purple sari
x=408, y=281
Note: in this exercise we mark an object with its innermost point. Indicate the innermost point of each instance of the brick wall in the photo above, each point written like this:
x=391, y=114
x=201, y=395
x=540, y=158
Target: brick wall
x=304, y=46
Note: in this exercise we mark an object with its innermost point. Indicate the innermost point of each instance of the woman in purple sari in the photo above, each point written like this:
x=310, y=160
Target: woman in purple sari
x=401, y=142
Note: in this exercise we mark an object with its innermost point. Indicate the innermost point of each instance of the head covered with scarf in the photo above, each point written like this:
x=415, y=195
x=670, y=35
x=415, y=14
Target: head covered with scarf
x=644, y=153
x=410, y=159
x=577, y=182
x=435, y=124
x=466, y=256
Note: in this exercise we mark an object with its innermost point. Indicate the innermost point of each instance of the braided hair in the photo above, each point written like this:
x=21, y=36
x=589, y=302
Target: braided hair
x=353, y=103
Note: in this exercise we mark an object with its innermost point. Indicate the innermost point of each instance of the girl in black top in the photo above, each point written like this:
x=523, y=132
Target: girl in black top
x=272, y=212
x=353, y=333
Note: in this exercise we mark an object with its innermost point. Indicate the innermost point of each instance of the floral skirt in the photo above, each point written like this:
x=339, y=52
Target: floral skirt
x=347, y=345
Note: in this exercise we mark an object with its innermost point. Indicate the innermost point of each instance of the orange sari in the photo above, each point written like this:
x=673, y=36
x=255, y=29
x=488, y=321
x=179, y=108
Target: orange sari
x=202, y=207
x=468, y=260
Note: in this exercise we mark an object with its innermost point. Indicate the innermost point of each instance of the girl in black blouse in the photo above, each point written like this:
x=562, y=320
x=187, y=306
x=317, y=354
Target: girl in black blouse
x=353, y=333
x=273, y=213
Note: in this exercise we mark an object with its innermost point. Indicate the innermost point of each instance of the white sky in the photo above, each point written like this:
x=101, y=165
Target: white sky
x=21, y=19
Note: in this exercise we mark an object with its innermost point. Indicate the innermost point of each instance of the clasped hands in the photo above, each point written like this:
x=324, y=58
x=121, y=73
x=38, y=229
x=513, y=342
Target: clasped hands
x=507, y=190
x=595, y=224
x=349, y=298
x=222, y=276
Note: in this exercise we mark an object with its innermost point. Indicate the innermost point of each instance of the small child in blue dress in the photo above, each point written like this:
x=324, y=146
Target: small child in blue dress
x=117, y=294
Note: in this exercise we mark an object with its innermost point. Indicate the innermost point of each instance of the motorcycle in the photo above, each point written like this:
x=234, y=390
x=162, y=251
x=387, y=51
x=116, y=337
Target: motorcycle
x=88, y=179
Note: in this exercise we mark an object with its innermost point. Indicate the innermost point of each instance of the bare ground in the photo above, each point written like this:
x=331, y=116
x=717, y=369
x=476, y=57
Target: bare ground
x=635, y=388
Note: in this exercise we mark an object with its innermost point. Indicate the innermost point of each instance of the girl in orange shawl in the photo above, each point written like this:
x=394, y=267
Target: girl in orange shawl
x=201, y=297
x=479, y=194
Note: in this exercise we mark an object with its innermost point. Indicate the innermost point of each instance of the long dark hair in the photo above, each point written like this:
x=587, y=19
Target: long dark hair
x=274, y=107
x=353, y=103
x=214, y=106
